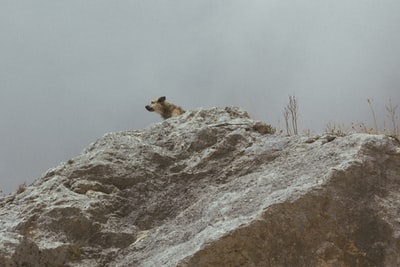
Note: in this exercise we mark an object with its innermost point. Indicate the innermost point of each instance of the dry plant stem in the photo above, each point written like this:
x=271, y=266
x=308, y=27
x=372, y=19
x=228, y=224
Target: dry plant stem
x=370, y=100
x=392, y=115
x=290, y=113
x=293, y=111
x=286, y=114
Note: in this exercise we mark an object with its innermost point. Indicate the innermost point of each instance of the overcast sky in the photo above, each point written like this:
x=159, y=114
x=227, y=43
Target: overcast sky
x=71, y=71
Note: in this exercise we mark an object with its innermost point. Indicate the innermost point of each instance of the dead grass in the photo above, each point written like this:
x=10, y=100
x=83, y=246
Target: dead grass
x=370, y=103
x=392, y=130
x=336, y=129
x=390, y=123
x=391, y=114
x=21, y=188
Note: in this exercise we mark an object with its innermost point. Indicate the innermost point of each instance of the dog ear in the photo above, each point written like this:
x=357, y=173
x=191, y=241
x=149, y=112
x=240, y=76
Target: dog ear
x=162, y=99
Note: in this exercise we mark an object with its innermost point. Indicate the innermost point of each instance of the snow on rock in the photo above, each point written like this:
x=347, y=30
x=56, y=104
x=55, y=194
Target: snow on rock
x=212, y=187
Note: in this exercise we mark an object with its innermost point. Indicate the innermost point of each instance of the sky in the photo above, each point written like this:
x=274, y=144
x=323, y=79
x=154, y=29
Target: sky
x=71, y=71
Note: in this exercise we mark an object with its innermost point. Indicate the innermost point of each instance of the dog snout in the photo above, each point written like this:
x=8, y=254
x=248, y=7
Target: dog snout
x=149, y=108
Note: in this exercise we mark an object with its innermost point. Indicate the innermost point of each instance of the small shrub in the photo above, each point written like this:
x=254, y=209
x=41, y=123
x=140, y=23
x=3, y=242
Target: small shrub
x=21, y=188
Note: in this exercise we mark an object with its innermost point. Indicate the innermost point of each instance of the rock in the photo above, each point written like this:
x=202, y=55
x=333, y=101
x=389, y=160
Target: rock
x=211, y=187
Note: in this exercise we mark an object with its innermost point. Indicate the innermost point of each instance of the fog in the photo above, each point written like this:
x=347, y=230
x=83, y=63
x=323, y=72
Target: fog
x=71, y=71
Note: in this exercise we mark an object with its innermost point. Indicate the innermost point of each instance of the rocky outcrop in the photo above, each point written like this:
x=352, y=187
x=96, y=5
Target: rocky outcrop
x=211, y=188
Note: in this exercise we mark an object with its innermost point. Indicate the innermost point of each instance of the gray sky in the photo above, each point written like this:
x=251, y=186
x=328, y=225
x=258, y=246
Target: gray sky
x=71, y=71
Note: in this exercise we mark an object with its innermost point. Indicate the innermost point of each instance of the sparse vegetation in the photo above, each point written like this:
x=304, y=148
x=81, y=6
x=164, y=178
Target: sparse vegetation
x=290, y=113
x=391, y=110
x=361, y=127
x=370, y=103
x=391, y=114
x=21, y=188
x=390, y=127
x=335, y=129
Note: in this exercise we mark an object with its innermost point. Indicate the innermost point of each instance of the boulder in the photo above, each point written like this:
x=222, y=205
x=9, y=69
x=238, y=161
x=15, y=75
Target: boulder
x=212, y=187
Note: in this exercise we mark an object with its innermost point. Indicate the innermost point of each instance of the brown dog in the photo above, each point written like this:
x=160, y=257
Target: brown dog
x=164, y=108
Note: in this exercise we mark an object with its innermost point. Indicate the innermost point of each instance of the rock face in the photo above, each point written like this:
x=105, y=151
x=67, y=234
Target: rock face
x=211, y=188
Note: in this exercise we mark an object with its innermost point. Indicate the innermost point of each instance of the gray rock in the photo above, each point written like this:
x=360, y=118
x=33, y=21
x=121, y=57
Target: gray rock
x=211, y=188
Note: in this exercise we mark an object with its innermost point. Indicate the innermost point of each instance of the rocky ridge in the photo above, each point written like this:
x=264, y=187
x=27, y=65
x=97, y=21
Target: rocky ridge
x=211, y=187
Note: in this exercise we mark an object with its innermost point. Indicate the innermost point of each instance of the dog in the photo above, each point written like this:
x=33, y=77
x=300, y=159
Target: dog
x=164, y=108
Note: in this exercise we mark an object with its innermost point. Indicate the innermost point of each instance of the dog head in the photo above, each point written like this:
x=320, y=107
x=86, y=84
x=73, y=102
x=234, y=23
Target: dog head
x=156, y=104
